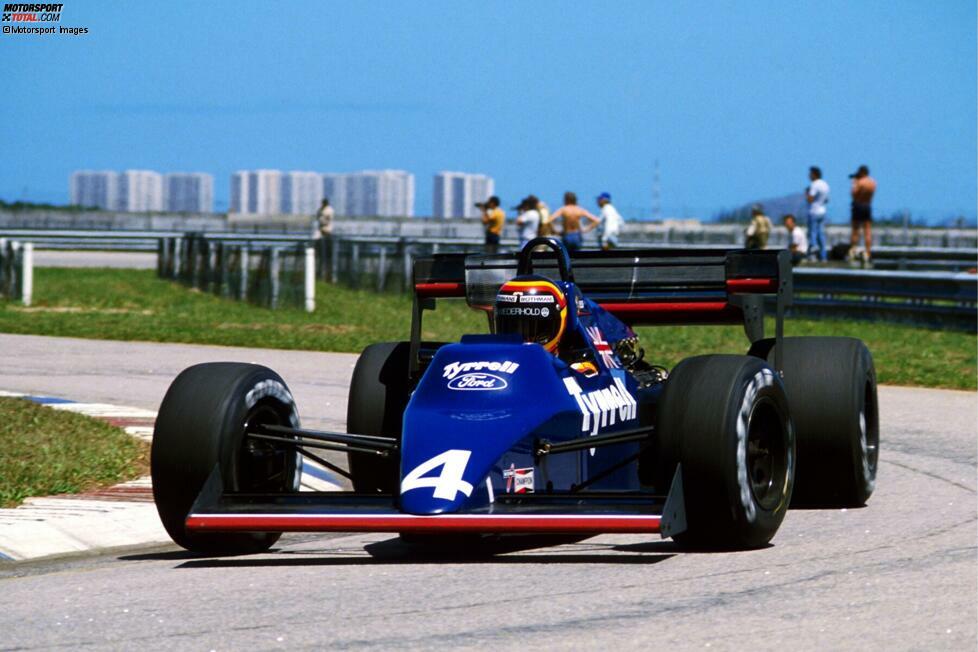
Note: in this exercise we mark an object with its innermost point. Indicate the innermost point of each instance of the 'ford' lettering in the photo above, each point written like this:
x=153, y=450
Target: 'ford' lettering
x=477, y=382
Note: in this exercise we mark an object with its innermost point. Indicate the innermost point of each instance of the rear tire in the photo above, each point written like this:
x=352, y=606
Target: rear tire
x=200, y=426
x=831, y=387
x=379, y=392
x=724, y=418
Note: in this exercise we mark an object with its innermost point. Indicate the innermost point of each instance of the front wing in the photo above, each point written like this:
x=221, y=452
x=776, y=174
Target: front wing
x=571, y=513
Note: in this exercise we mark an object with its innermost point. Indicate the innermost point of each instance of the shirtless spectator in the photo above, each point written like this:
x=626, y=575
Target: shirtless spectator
x=571, y=214
x=863, y=188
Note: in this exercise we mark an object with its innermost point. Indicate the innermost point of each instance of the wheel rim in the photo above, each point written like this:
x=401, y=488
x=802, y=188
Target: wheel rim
x=262, y=466
x=767, y=455
x=869, y=433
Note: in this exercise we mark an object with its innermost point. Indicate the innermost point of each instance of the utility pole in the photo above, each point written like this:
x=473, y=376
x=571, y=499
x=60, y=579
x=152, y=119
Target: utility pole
x=656, y=207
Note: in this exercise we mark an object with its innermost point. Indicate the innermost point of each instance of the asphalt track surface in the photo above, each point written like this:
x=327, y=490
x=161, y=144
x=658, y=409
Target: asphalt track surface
x=897, y=574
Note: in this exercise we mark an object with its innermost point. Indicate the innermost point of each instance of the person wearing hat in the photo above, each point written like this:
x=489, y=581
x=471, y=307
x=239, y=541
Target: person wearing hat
x=528, y=220
x=493, y=219
x=611, y=222
x=759, y=229
x=863, y=188
x=817, y=195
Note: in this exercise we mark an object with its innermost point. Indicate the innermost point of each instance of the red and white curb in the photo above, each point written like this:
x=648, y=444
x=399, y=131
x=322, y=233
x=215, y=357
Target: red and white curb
x=121, y=515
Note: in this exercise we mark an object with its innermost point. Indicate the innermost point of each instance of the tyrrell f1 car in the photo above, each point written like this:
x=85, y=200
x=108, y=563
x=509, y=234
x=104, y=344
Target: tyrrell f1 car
x=553, y=422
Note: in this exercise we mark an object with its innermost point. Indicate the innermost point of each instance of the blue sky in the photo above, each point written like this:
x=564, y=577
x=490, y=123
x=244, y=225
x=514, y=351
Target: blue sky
x=735, y=100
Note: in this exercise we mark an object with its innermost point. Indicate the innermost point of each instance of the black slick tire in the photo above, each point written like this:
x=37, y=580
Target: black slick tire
x=831, y=387
x=725, y=419
x=200, y=426
x=379, y=392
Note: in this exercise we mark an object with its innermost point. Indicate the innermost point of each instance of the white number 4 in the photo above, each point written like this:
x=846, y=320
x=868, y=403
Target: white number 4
x=448, y=482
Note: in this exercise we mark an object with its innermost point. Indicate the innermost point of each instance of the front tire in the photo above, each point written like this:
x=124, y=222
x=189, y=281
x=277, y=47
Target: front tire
x=200, y=426
x=379, y=392
x=724, y=418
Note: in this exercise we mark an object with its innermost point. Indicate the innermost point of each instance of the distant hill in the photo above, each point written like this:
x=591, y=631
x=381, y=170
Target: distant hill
x=774, y=208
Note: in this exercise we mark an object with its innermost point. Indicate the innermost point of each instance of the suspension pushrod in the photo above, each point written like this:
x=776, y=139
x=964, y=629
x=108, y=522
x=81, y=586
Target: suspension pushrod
x=383, y=443
x=545, y=447
x=319, y=444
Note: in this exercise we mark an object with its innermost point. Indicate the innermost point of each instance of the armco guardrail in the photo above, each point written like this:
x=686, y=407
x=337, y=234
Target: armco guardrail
x=269, y=274
x=934, y=299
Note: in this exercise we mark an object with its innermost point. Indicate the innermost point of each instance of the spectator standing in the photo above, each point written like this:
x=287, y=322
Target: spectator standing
x=571, y=214
x=493, y=218
x=611, y=221
x=797, y=242
x=528, y=220
x=817, y=195
x=546, y=221
x=324, y=220
x=863, y=189
x=759, y=229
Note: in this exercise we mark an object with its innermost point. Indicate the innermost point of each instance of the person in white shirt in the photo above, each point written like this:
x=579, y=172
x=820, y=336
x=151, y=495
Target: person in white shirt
x=528, y=220
x=797, y=242
x=817, y=195
x=611, y=221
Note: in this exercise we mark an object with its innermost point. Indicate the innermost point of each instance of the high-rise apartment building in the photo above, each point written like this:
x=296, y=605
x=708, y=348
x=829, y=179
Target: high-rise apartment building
x=334, y=189
x=256, y=192
x=383, y=193
x=91, y=188
x=140, y=190
x=188, y=192
x=301, y=193
x=455, y=193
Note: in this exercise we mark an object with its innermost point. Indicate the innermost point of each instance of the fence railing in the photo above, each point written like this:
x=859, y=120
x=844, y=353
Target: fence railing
x=269, y=274
x=17, y=270
x=279, y=270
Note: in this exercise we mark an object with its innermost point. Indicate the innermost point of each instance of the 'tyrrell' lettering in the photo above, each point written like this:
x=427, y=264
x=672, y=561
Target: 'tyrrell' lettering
x=456, y=368
x=603, y=407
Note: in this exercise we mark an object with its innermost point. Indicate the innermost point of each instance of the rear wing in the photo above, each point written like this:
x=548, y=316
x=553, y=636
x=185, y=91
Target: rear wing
x=639, y=286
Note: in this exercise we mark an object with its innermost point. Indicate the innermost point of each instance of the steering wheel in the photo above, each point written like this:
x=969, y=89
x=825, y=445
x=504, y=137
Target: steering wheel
x=563, y=259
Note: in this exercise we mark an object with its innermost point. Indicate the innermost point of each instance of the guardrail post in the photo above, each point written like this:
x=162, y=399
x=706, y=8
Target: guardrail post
x=27, y=284
x=334, y=259
x=406, y=263
x=381, y=268
x=310, y=279
x=355, y=266
x=273, y=271
x=243, y=287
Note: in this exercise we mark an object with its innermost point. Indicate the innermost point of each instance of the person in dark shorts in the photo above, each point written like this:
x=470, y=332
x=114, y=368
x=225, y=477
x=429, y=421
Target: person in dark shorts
x=572, y=214
x=863, y=189
x=493, y=219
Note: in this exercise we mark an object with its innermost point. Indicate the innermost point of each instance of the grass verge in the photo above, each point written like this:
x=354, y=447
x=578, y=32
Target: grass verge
x=47, y=451
x=137, y=306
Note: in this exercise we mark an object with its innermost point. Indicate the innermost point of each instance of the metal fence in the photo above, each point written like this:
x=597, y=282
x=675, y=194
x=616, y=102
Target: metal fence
x=940, y=300
x=279, y=270
x=16, y=270
x=273, y=275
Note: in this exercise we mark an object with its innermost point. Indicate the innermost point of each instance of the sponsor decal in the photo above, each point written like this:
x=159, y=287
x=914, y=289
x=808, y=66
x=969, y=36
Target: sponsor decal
x=587, y=368
x=529, y=311
x=602, y=347
x=448, y=483
x=476, y=381
x=453, y=369
x=603, y=407
x=518, y=481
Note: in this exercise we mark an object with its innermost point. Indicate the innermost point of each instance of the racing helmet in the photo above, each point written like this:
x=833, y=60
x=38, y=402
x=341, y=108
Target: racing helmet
x=533, y=307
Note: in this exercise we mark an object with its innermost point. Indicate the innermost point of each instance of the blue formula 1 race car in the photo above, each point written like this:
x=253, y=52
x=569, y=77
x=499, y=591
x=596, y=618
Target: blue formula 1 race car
x=553, y=422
